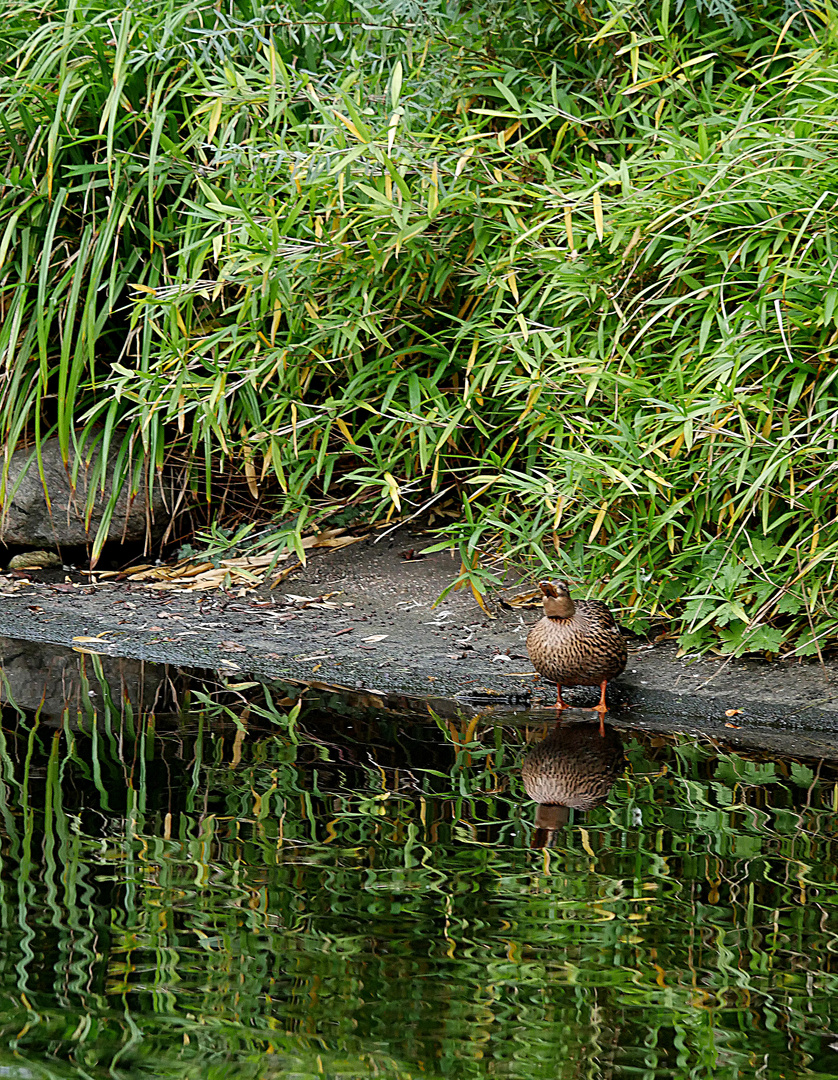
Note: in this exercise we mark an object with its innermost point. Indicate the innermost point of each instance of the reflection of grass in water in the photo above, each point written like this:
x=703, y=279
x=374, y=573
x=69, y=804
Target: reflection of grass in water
x=358, y=896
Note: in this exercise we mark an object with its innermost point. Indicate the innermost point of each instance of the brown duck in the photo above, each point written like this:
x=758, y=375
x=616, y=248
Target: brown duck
x=576, y=644
x=572, y=767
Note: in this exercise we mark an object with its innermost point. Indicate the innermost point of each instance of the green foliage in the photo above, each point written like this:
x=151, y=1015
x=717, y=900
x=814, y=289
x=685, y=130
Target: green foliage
x=569, y=265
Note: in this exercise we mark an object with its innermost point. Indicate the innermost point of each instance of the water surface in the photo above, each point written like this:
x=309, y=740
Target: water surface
x=242, y=882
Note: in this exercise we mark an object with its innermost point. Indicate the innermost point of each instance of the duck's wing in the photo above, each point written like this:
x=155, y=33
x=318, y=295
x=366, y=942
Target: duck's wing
x=597, y=612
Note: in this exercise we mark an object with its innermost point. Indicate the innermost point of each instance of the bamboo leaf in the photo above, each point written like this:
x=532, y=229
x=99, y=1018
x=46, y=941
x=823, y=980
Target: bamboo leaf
x=395, y=84
x=598, y=218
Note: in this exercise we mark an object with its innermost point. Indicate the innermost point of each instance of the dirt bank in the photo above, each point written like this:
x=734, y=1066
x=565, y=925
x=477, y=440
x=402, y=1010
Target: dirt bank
x=364, y=618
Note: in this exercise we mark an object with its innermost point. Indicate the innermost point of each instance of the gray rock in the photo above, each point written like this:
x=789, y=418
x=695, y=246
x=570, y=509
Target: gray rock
x=25, y=517
x=35, y=560
x=51, y=679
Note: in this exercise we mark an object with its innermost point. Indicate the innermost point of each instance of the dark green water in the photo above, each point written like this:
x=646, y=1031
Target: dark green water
x=203, y=887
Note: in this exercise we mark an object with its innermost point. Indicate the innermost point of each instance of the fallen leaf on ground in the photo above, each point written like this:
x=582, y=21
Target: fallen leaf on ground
x=246, y=571
x=375, y=637
x=527, y=599
x=311, y=601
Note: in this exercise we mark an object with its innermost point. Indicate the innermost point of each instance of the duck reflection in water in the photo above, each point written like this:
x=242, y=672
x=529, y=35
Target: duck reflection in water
x=573, y=767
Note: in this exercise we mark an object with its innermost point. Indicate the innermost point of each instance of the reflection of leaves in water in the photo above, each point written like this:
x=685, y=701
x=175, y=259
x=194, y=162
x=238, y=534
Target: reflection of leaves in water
x=237, y=896
x=739, y=770
x=801, y=775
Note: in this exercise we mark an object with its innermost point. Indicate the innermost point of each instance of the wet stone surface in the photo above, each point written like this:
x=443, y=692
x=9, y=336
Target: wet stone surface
x=367, y=618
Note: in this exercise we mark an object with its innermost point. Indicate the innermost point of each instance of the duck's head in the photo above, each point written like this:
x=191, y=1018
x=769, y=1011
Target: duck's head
x=556, y=600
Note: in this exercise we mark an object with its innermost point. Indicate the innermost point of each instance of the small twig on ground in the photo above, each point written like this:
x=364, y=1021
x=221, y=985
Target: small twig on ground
x=415, y=514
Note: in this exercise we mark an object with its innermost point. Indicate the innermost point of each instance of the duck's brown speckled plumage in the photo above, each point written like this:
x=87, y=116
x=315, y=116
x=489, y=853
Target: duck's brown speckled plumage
x=574, y=766
x=577, y=643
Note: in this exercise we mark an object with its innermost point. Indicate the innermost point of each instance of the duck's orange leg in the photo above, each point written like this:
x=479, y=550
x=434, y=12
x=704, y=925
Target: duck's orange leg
x=602, y=708
x=560, y=702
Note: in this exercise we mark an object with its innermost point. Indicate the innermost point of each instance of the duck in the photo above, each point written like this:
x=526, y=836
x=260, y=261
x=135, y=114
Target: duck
x=577, y=643
x=572, y=767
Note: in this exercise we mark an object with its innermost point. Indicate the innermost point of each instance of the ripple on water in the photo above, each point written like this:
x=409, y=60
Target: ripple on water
x=223, y=891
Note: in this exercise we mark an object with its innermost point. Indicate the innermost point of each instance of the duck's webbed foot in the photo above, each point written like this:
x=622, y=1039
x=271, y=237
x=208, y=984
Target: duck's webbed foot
x=560, y=701
x=602, y=708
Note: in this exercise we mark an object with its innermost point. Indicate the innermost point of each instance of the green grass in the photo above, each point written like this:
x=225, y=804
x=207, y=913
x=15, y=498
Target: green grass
x=571, y=266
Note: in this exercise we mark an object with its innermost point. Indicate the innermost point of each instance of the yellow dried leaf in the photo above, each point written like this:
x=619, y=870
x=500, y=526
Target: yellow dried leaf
x=598, y=520
x=251, y=562
x=433, y=191
x=344, y=429
x=391, y=130
x=214, y=117
x=527, y=599
x=394, y=489
x=277, y=315
x=599, y=221
x=479, y=600
x=461, y=162
x=472, y=355
x=633, y=242
x=568, y=227
x=193, y=569
x=657, y=478
x=340, y=541
x=350, y=126
x=250, y=474
x=505, y=136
